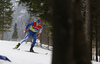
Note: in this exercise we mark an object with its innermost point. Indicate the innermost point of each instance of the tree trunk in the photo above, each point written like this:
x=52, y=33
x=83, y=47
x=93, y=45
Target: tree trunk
x=41, y=40
x=48, y=42
x=62, y=32
x=88, y=27
x=2, y=35
x=69, y=43
x=81, y=49
x=96, y=29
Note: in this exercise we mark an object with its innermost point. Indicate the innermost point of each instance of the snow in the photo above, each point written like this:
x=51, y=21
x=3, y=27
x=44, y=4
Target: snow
x=94, y=62
x=22, y=57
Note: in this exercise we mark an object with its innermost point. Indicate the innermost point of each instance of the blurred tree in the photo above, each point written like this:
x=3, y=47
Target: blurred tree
x=69, y=42
x=5, y=15
x=83, y=9
x=38, y=8
x=95, y=18
x=88, y=26
x=15, y=33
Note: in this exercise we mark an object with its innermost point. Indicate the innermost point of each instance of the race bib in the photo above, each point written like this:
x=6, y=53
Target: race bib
x=33, y=29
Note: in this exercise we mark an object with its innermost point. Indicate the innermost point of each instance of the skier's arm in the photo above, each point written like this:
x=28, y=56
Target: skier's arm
x=41, y=29
x=31, y=23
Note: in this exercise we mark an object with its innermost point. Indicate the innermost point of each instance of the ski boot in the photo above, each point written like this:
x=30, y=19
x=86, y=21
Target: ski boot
x=17, y=46
x=31, y=49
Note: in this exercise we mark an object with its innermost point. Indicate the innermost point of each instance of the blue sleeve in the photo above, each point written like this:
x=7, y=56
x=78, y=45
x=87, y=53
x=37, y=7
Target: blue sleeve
x=41, y=29
x=31, y=23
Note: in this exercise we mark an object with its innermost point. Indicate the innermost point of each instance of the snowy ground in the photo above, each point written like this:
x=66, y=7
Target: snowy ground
x=22, y=57
x=94, y=62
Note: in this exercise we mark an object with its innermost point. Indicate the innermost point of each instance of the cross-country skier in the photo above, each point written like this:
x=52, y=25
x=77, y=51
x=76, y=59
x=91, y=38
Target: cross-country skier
x=35, y=28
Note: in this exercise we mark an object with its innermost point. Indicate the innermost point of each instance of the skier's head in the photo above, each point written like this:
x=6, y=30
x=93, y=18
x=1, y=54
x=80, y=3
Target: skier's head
x=39, y=21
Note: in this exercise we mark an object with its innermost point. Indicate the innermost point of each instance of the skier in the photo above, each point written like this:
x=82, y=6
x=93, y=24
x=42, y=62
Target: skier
x=32, y=31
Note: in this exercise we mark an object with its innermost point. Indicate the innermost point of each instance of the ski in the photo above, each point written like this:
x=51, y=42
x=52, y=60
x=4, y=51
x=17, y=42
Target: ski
x=4, y=58
x=36, y=52
x=31, y=52
x=16, y=48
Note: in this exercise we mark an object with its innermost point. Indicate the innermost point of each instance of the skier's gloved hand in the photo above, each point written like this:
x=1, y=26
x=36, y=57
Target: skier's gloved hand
x=25, y=31
x=38, y=35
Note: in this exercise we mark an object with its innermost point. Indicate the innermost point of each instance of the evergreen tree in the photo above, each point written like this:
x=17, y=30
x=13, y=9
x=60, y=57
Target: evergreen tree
x=15, y=33
x=46, y=29
x=38, y=8
x=5, y=15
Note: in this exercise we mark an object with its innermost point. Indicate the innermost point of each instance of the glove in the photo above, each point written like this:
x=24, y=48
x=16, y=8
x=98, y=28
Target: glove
x=25, y=31
x=38, y=35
